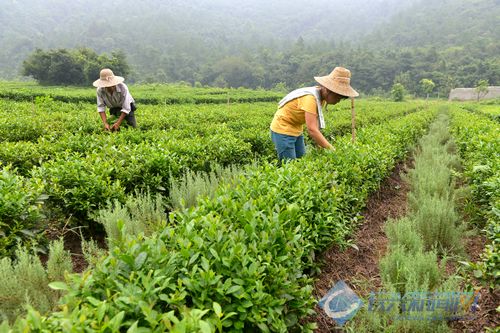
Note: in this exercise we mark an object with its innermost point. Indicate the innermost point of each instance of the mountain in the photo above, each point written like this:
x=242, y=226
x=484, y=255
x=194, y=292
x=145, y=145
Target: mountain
x=200, y=31
x=258, y=43
x=444, y=23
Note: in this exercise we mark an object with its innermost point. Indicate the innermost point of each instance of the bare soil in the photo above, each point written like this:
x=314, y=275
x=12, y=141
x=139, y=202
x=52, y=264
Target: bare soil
x=72, y=243
x=359, y=268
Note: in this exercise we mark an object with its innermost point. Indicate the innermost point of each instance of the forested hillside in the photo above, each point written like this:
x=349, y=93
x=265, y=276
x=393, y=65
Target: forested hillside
x=258, y=43
x=446, y=23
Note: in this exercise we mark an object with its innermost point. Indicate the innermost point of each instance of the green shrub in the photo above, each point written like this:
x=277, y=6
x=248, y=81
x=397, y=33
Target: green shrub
x=185, y=191
x=248, y=248
x=141, y=213
x=403, y=233
x=401, y=269
x=20, y=212
x=25, y=282
x=438, y=222
x=432, y=196
x=79, y=186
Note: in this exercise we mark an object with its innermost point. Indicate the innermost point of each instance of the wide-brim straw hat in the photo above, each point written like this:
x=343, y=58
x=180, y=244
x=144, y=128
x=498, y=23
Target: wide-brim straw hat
x=339, y=81
x=107, y=79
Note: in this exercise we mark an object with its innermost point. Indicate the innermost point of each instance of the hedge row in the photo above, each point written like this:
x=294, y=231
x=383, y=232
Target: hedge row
x=20, y=213
x=478, y=141
x=491, y=111
x=143, y=94
x=84, y=167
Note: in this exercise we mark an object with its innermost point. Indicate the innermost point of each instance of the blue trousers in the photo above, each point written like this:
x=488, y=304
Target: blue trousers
x=288, y=147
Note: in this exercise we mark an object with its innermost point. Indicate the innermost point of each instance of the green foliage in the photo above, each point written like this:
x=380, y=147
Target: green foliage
x=92, y=252
x=403, y=233
x=247, y=249
x=478, y=145
x=408, y=268
x=432, y=196
x=71, y=67
x=142, y=213
x=398, y=92
x=401, y=268
x=20, y=212
x=185, y=191
x=427, y=86
x=438, y=222
x=78, y=185
x=487, y=269
x=481, y=88
x=25, y=282
x=248, y=46
x=66, y=147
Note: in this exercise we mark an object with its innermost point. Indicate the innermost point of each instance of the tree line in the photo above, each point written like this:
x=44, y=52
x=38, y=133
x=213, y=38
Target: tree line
x=374, y=72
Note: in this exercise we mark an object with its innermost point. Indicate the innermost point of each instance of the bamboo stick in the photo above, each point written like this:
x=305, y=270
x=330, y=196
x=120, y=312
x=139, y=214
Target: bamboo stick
x=353, y=120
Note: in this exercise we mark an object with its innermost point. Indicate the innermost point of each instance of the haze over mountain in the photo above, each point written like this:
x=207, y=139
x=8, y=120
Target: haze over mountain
x=262, y=43
x=142, y=27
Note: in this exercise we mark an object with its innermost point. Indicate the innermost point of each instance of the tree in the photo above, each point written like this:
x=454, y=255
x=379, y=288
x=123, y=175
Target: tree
x=427, y=86
x=72, y=67
x=236, y=72
x=481, y=89
x=398, y=92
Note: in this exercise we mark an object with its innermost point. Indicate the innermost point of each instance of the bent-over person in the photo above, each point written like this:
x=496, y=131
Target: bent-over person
x=304, y=106
x=114, y=94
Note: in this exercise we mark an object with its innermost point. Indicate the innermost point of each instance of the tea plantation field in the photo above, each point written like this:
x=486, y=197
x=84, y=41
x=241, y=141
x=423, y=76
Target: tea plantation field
x=241, y=259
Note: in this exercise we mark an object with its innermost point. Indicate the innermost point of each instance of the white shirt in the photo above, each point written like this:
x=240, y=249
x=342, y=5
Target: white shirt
x=120, y=98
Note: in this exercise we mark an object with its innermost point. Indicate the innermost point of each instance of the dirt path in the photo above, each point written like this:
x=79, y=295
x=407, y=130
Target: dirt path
x=359, y=268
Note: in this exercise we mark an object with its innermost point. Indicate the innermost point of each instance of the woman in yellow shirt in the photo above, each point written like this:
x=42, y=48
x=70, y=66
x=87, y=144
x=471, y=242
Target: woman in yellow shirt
x=305, y=106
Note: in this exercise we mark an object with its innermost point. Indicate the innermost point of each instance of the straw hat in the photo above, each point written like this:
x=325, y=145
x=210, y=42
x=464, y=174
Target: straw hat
x=338, y=81
x=107, y=79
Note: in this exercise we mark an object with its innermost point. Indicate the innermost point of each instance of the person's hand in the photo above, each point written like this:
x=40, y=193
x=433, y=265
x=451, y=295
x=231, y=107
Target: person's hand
x=115, y=127
x=331, y=148
x=106, y=127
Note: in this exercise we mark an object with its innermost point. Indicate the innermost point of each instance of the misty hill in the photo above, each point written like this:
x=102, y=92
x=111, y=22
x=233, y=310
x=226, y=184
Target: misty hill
x=196, y=30
x=441, y=24
x=254, y=43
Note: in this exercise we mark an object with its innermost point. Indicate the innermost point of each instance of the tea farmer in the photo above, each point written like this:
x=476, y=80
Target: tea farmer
x=114, y=94
x=305, y=106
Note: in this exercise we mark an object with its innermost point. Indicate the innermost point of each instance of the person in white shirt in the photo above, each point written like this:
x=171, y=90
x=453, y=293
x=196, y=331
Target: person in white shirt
x=114, y=94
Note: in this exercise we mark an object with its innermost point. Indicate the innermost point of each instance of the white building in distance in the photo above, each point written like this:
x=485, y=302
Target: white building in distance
x=469, y=94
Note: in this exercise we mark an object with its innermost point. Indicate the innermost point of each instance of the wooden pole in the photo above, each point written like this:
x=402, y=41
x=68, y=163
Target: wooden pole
x=353, y=120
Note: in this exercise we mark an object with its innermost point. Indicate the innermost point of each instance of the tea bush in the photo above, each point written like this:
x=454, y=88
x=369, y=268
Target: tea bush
x=20, y=212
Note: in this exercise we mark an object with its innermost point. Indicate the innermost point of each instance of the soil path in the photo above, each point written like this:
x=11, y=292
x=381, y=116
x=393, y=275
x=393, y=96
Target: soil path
x=359, y=268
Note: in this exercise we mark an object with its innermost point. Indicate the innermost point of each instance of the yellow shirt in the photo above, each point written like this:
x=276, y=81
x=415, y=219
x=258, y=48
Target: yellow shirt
x=290, y=119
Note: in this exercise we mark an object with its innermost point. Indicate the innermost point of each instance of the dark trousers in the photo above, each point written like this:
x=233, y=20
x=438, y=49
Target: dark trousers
x=130, y=118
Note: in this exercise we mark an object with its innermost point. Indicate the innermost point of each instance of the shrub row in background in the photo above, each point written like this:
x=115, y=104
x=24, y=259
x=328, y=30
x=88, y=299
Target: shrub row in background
x=491, y=111
x=143, y=94
x=478, y=141
x=238, y=261
x=45, y=118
